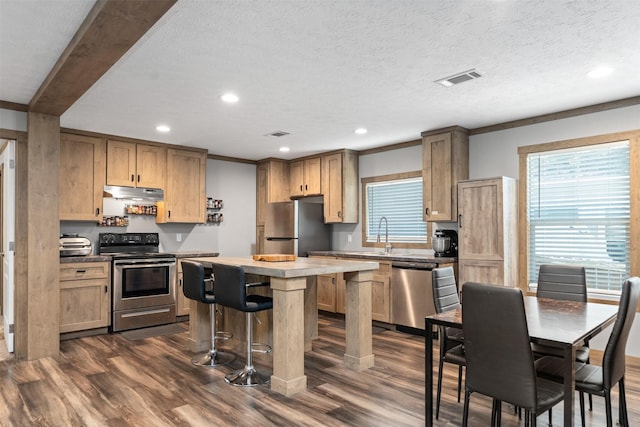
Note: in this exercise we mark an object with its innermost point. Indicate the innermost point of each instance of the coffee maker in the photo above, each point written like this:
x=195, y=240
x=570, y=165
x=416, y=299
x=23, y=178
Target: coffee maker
x=445, y=243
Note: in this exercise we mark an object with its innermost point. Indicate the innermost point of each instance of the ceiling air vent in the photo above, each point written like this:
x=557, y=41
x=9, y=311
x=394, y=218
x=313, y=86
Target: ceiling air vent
x=459, y=78
x=277, y=133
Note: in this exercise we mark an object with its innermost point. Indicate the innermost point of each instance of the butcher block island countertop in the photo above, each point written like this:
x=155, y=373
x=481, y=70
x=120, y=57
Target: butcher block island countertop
x=295, y=313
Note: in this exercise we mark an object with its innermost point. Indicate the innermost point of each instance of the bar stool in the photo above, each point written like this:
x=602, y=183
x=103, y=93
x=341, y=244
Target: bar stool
x=231, y=291
x=195, y=288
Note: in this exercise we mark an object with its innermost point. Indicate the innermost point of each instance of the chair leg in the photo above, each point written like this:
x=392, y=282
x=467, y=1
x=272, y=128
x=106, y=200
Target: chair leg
x=499, y=414
x=534, y=419
x=213, y=357
x=459, y=381
x=527, y=419
x=494, y=411
x=439, y=388
x=582, y=408
x=465, y=411
x=550, y=416
x=607, y=404
x=624, y=416
x=248, y=376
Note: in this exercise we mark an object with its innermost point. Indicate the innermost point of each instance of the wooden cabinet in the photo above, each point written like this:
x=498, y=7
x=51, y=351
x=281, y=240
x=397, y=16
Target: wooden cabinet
x=487, y=231
x=445, y=161
x=340, y=187
x=136, y=165
x=272, y=185
x=327, y=292
x=82, y=177
x=85, y=296
x=184, y=196
x=305, y=177
x=182, y=302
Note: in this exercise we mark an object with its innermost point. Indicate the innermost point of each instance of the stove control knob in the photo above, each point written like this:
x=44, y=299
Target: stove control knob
x=151, y=238
x=108, y=238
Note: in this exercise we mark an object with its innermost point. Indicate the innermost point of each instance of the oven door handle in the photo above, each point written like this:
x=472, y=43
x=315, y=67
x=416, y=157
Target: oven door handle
x=144, y=265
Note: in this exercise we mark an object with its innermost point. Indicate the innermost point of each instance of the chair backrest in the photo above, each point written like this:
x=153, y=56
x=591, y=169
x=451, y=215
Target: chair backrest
x=497, y=349
x=445, y=291
x=193, y=282
x=230, y=286
x=564, y=282
x=613, y=361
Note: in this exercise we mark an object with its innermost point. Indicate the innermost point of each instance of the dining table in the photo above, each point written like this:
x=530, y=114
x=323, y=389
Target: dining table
x=557, y=323
x=295, y=313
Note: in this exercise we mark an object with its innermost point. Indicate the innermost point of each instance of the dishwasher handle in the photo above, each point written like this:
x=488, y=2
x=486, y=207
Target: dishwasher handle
x=412, y=265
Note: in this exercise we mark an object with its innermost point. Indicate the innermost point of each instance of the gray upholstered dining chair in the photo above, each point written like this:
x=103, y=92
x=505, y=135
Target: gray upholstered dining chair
x=445, y=298
x=599, y=380
x=500, y=362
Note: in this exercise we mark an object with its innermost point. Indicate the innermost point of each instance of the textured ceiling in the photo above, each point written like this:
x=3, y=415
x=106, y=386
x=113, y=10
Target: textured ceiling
x=321, y=69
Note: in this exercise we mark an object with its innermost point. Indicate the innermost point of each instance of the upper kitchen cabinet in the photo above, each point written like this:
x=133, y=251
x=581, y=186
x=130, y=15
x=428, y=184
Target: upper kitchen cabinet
x=445, y=161
x=136, y=165
x=82, y=177
x=184, y=195
x=487, y=231
x=272, y=185
x=305, y=177
x=340, y=187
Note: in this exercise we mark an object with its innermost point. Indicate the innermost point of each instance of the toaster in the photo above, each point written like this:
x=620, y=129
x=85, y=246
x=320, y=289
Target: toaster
x=74, y=245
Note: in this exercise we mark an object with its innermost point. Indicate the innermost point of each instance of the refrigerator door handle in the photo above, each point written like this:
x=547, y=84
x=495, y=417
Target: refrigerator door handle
x=272, y=239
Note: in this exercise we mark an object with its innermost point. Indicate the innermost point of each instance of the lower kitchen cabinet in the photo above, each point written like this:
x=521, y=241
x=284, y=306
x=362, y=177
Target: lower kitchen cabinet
x=182, y=302
x=85, y=296
x=328, y=292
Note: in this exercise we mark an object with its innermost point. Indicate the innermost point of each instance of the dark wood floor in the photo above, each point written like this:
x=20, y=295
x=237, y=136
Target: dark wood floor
x=109, y=380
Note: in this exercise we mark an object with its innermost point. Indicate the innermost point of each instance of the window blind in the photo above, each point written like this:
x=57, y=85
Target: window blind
x=400, y=201
x=578, y=212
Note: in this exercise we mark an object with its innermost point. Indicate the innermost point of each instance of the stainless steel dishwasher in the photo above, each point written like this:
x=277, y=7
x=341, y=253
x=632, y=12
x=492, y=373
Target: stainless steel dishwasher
x=411, y=293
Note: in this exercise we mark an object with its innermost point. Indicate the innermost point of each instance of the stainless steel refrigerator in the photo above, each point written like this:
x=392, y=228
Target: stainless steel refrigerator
x=296, y=227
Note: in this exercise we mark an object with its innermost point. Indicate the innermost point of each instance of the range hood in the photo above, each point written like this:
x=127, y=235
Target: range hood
x=132, y=193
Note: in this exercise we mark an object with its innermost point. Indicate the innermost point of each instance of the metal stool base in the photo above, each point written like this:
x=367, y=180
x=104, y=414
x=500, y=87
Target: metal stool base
x=247, y=377
x=213, y=359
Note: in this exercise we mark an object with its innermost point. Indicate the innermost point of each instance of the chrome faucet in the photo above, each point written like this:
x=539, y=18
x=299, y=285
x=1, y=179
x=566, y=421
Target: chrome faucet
x=387, y=246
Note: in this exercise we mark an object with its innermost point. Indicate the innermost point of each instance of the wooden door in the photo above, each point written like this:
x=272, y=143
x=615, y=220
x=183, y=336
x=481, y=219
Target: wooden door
x=437, y=177
x=332, y=186
x=312, y=177
x=151, y=165
x=480, y=225
x=185, y=198
x=82, y=177
x=121, y=163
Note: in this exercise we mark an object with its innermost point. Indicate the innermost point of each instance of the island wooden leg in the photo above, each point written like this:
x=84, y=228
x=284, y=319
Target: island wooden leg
x=288, y=335
x=310, y=313
x=199, y=326
x=359, y=355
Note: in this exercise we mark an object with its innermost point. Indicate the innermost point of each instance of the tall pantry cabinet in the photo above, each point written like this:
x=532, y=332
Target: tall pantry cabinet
x=488, y=231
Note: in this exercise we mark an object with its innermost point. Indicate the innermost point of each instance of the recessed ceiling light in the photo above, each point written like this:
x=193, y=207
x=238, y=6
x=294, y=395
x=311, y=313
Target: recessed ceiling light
x=361, y=131
x=284, y=149
x=230, y=98
x=163, y=128
x=600, y=72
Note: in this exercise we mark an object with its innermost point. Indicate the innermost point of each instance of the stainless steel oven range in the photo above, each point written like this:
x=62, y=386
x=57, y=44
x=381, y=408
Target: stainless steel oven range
x=143, y=280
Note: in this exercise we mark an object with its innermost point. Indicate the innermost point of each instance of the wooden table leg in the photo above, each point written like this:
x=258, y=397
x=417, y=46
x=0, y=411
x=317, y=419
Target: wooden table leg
x=199, y=326
x=288, y=335
x=569, y=384
x=310, y=313
x=359, y=355
x=428, y=376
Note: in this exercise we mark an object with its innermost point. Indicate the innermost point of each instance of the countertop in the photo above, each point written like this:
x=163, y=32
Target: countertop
x=373, y=255
x=107, y=258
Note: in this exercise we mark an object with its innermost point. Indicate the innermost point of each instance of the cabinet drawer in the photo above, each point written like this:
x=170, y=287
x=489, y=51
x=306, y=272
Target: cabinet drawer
x=84, y=270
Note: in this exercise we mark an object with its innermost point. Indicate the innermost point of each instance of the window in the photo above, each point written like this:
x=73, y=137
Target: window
x=398, y=198
x=578, y=212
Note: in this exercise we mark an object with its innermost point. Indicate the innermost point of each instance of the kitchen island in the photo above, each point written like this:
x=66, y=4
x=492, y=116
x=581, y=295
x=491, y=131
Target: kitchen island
x=295, y=316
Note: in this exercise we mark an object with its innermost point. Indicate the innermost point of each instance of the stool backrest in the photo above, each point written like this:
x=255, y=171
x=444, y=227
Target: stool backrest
x=564, y=282
x=193, y=284
x=496, y=343
x=613, y=361
x=230, y=285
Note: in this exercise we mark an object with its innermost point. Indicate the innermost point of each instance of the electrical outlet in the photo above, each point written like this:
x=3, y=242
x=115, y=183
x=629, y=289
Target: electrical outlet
x=178, y=237
x=349, y=238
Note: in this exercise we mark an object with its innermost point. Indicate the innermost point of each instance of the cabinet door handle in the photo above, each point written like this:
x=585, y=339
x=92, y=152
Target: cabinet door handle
x=132, y=178
x=138, y=178
x=306, y=187
x=300, y=187
x=426, y=211
x=105, y=289
x=168, y=214
x=97, y=211
x=339, y=214
x=460, y=221
x=81, y=271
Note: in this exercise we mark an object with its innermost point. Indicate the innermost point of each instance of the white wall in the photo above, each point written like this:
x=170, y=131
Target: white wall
x=13, y=120
x=234, y=183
